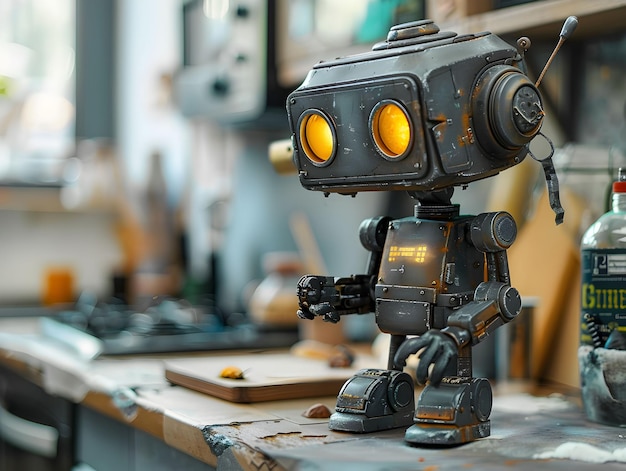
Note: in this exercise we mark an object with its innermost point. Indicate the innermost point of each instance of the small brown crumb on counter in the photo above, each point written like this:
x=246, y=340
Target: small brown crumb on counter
x=342, y=358
x=317, y=411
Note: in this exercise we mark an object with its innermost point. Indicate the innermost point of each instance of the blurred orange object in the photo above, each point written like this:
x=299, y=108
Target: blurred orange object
x=58, y=286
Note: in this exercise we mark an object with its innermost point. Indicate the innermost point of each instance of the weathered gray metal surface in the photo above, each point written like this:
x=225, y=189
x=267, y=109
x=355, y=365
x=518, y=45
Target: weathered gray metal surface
x=528, y=433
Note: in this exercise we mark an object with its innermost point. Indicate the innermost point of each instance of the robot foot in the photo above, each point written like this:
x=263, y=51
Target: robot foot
x=374, y=400
x=452, y=413
x=446, y=435
x=342, y=422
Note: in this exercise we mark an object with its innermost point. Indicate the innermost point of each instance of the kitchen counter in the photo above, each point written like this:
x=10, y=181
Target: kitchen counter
x=131, y=393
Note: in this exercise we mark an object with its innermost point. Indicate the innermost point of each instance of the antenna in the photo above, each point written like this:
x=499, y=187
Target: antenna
x=566, y=32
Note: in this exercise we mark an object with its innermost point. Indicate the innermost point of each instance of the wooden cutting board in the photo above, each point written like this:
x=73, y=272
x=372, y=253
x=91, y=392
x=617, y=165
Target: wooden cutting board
x=267, y=376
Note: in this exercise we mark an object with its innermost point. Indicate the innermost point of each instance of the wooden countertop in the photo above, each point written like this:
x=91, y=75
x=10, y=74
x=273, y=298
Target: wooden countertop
x=527, y=430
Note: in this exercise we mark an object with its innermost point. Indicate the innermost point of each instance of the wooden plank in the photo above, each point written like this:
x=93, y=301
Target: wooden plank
x=542, y=261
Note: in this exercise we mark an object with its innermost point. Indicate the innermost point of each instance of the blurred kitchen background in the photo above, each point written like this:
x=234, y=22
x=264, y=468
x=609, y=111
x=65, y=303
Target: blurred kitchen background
x=134, y=141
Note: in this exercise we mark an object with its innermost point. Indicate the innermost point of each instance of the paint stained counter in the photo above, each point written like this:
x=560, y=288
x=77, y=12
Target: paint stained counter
x=528, y=431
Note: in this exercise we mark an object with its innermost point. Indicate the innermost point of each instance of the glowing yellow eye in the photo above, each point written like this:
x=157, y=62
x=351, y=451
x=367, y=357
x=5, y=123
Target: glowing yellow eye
x=391, y=129
x=317, y=138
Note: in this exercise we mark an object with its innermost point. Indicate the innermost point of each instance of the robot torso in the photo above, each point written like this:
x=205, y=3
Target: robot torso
x=428, y=268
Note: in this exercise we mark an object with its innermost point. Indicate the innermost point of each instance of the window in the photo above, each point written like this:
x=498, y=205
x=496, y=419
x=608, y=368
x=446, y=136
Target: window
x=37, y=59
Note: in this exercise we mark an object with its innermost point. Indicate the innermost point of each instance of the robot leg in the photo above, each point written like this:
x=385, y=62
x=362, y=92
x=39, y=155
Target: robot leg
x=454, y=412
x=374, y=399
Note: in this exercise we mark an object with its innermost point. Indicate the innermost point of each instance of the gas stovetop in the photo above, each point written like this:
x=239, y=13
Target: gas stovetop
x=168, y=325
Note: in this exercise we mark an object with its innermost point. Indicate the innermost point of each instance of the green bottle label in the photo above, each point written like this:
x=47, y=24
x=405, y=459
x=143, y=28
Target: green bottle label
x=603, y=294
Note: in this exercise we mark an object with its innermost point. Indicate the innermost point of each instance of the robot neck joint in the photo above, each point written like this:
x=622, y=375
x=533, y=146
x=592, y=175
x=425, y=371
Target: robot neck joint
x=436, y=211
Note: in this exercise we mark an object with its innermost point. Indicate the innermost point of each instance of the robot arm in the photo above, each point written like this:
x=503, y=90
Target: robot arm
x=332, y=297
x=495, y=300
x=494, y=304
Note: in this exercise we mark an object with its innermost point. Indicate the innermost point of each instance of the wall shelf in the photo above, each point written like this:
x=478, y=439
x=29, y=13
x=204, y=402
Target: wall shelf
x=539, y=20
x=543, y=19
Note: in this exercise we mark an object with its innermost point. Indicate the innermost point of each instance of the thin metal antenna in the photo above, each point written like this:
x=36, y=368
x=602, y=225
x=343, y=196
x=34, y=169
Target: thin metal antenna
x=566, y=32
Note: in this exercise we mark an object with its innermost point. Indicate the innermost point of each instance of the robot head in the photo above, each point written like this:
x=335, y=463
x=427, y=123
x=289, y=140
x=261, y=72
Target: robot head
x=423, y=111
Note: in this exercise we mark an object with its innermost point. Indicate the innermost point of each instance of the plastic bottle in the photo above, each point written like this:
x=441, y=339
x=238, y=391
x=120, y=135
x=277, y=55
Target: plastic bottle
x=602, y=353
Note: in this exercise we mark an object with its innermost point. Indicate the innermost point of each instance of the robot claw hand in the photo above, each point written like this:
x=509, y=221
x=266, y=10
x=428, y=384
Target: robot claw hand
x=330, y=297
x=325, y=310
x=314, y=296
x=439, y=350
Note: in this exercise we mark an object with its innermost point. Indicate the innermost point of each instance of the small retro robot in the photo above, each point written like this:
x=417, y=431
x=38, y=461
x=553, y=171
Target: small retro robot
x=423, y=112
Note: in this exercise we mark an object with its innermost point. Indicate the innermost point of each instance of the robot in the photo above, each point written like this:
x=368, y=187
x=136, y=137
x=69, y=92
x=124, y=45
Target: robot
x=423, y=112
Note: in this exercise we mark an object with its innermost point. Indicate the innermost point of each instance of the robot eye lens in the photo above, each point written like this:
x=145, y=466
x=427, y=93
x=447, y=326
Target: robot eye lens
x=391, y=129
x=317, y=137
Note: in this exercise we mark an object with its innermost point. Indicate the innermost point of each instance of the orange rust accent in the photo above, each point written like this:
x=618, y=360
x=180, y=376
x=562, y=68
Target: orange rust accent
x=463, y=139
x=437, y=414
